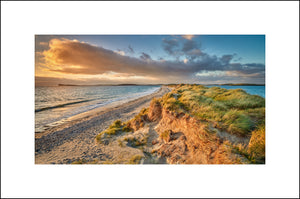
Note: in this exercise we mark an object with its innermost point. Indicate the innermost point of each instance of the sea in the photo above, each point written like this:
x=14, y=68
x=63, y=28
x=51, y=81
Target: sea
x=55, y=105
x=253, y=90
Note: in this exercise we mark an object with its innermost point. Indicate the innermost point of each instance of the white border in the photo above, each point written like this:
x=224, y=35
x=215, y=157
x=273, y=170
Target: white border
x=277, y=20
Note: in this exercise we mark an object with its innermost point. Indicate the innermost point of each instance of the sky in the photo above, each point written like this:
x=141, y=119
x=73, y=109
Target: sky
x=149, y=59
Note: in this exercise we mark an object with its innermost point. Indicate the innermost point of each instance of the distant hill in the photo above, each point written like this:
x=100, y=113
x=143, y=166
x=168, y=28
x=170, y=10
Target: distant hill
x=229, y=84
x=110, y=85
x=241, y=84
x=67, y=85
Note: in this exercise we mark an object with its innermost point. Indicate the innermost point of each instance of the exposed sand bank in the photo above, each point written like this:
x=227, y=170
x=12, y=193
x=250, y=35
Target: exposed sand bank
x=75, y=140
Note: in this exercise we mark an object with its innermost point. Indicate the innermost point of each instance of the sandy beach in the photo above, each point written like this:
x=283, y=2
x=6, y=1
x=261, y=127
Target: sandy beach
x=75, y=140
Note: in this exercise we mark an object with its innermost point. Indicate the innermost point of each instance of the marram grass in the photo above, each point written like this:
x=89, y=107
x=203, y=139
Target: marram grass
x=234, y=111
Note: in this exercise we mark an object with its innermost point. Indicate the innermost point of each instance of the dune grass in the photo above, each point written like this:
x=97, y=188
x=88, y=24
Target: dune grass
x=136, y=142
x=255, y=151
x=165, y=135
x=138, y=121
x=115, y=128
x=135, y=159
x=84, y=161
x=234, y=111
x=256, y=147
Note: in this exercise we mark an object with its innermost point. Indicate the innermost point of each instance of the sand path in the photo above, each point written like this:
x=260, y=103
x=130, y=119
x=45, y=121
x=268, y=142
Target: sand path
x=75, y=140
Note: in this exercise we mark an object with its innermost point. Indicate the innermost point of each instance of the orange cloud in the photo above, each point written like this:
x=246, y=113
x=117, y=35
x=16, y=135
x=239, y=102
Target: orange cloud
x=74, y=57
x=188, y=37
x=80, y=61
x=43, y=43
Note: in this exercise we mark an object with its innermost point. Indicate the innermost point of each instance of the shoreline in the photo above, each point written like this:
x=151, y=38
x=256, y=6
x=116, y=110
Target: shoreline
x=40, y=130
x=75, y=139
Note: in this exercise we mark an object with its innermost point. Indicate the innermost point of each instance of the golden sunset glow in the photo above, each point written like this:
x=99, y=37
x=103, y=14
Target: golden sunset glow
x=189, y=37
x=155, y=60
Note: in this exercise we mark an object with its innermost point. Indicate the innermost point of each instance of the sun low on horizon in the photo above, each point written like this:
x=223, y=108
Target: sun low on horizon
x=149, y=59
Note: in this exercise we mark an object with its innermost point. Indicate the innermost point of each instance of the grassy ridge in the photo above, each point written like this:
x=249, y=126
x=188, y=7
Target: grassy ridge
x=233, y=111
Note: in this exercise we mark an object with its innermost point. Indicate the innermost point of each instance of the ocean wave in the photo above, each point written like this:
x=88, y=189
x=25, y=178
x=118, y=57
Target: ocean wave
x=81, y=104
x=60, y=105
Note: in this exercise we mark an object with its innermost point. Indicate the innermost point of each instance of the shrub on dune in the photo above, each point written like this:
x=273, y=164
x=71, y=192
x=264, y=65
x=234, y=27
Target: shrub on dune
x=115, y=128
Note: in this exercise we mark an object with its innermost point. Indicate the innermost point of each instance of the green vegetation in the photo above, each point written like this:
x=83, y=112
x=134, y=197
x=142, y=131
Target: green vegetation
x=84, y=161
x=255, y=151
x=165, y=135
x=142, y=114
x=170, y=101
x=256, y=147
x=135, y=159
x=80, y=161
x=234, y=111
x=135, y=142
x=120, y=143
x=156, y=100
x=126, y=127
x=138, y=121
x=115, y=128
x=107, y=162
x=218, y=110
x=241, y=150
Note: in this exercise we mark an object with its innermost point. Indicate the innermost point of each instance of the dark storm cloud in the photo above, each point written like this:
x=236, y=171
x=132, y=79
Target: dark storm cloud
x=170, y=45
x=189, y=45
x=226, y=58
x=130, y=49
x=238, y=59
x=182, y=48
x=200, y=61
x=145, y=56
x=253, y=68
